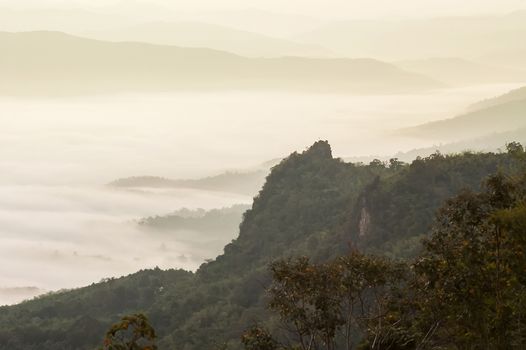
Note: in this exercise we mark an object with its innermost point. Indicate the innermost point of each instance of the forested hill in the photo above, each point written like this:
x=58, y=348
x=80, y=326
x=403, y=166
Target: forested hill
x=311, y=204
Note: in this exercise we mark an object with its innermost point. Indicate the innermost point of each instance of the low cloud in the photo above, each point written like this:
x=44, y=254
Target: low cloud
x=65, y=237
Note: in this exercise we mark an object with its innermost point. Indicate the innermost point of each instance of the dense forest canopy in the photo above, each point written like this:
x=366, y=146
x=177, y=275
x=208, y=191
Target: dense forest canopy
x=312, y=205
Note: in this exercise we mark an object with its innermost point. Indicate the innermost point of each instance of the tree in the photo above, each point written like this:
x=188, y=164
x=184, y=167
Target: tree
x=471, y=274
x=395, y=164
x=132, y=333
x=258, y=338
x=514, y=148
x=331, y=305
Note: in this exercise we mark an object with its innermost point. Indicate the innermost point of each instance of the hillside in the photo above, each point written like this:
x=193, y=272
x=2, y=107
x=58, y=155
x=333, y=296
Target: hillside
x=213, y=223
x=513, y=95
x=52, y=63
x=494, y=142
x=249, y=182
x=311, y=204
x=496, y=119
x=461, y=72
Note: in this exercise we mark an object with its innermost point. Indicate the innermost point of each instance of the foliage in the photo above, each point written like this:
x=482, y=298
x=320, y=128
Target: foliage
x=258, y=338
x=331, y=305
x=394, y=210
x=466, y=290
x=471, y=273
x=309, y=206
x=133, y=332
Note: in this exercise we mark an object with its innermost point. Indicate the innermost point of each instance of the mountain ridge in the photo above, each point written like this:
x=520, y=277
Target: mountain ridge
x=206, y=35
x=57, y=63
x=310, y=205
x=498, y=118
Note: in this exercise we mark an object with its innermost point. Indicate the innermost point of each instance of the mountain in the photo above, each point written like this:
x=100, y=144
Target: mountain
x=249, y=182
x=464, y=37
x=215, y=221
x=128, y=14
x=311, y=205
x=200, y=230
x=51, y=63
x=494, y=142
x=488, y=143
x=496, y=119
x=212, y=36
x=461, y=72
x=514, y=95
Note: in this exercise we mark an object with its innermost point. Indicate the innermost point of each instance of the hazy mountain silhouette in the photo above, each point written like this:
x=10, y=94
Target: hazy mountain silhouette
x=212, y=36
x=513, y=95
x=500, y=118
x=469, y=36
x=56, y=63
x=236, y=182
x=461, y=72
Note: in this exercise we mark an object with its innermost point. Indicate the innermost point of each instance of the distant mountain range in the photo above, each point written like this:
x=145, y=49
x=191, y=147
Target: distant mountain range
x=461, y=72
x=52, y=63
x=248, y=183
x=212, y=36
x=493, y=142
x=500, y=118
x=122, y=15
x=513, y=95
x=498, y=115
x=466, y=37
x=492, y=39
x=215, y=222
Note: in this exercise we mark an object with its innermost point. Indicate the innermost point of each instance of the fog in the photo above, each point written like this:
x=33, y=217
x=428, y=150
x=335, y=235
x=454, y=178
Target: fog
x=62, y=228
x=103, y=90
x=93, y=140
x=56, y=237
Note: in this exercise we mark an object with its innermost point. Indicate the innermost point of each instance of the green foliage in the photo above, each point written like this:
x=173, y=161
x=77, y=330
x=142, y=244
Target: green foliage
x=466, y=290
x=133, y=332
x=394, y=210
x=515, y=148
x=471, y=273
x=215, y=221
x=332, y=305
x=309, y=206
x=257, y=338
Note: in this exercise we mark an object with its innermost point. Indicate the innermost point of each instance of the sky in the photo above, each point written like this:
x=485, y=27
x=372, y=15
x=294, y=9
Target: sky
x=317, y=8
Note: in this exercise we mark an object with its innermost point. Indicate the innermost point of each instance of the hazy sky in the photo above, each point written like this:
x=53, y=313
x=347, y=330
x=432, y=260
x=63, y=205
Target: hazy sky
x=318, y=8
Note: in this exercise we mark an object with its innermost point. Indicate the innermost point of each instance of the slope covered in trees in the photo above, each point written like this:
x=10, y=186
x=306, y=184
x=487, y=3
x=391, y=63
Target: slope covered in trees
x=311, y=205
x=465, y=290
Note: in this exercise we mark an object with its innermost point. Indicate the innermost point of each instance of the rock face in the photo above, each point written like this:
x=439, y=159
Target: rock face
x=365, y=221
x=320, y=149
